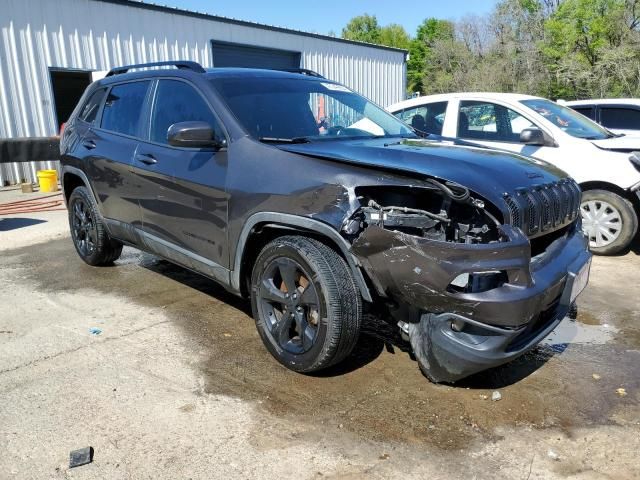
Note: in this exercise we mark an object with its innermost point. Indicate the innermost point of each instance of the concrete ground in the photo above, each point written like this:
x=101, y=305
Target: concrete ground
x=178, y=384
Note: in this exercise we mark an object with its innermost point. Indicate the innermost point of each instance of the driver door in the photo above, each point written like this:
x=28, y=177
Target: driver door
x=498, y=126
x=182, y=194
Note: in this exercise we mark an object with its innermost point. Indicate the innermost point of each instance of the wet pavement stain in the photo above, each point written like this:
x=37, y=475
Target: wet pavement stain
x=587, y=318
x=379, y=392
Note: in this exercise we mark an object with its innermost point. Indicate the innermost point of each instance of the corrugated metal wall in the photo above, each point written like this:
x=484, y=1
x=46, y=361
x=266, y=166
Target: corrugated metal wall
x=96, y=35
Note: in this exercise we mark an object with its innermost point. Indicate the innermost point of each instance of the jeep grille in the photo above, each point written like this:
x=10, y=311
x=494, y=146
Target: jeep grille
x=544, y=208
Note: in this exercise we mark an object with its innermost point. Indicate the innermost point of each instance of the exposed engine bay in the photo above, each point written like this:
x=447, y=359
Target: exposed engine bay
x=444, y=212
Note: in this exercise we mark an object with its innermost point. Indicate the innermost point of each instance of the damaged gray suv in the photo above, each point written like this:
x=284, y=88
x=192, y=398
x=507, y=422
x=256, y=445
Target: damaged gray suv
x=293, y=190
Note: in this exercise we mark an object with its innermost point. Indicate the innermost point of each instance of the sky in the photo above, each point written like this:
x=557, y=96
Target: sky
x=324, y=16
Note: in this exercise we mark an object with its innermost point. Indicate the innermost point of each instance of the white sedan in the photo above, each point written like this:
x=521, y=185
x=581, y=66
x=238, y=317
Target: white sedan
x=606, y=166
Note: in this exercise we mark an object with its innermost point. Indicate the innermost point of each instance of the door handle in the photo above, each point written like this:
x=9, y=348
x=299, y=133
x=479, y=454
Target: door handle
x=89, y=144
x=146, y=159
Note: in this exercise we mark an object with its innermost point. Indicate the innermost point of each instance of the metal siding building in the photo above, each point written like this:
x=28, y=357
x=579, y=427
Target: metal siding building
x=43, y=40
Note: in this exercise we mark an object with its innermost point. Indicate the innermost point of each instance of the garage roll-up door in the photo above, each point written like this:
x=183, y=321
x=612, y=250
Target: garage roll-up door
x=248, y=56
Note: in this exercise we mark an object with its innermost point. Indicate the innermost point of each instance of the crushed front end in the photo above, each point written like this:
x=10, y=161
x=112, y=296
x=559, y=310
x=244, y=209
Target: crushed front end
x=473, y=285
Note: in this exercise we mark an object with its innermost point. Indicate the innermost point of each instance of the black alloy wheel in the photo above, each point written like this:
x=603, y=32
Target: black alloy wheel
x=89, y=235
x=290, y=304
x=83, y=227
x=306, y=304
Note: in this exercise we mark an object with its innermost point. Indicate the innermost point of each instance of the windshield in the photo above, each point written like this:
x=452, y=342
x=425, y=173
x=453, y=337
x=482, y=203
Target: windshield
x=568, y=120
x=293, y=109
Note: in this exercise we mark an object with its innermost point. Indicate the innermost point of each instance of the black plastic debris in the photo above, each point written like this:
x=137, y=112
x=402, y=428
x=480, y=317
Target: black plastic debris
x=81, y=457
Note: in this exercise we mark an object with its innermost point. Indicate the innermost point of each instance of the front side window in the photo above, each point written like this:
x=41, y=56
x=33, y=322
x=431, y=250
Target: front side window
x=292, y=109
x=123, y=108
x=177, y=102
x=90, y=109
x=620, y=117
x=566, y=119
x=490, y=122
x=427, y=118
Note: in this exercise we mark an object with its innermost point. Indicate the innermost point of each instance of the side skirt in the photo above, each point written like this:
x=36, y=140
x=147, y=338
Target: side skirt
x=173, y=253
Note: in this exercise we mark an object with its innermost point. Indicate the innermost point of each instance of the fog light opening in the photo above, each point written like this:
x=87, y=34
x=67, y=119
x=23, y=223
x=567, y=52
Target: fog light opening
x=457, y=325
x=477, y=282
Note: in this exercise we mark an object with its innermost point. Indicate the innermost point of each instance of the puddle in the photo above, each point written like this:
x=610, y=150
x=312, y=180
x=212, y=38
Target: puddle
x=573, y=332
x=587, y=317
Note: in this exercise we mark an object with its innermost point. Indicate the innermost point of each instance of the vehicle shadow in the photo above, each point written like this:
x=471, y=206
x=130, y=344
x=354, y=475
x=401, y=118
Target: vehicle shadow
x=378, y=333
x=635, y=245
x=15, y=223
x=512, y=372
x=194, y=280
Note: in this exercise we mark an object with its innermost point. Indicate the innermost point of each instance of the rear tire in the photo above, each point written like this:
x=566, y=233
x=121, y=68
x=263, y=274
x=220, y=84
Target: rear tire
x=609, y=221
x=305, y=302
x=88, y=233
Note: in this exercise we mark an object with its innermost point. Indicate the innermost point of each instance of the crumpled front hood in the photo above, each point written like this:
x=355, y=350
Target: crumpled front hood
x=490, y=173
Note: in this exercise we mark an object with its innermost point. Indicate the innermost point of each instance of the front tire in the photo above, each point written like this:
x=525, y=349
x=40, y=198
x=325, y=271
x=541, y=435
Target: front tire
x=305, y=302
x=88, y=233
x=608, y=220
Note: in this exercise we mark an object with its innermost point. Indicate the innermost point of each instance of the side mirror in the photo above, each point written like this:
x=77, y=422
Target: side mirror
x=535, y=136
x=193, y=135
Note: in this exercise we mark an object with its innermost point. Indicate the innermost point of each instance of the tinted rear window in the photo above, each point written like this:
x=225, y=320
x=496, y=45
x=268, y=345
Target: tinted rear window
x=123, y=108
x=619, y=117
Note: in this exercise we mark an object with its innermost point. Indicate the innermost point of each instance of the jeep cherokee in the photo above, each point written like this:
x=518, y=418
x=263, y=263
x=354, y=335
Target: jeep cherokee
x=295, y=191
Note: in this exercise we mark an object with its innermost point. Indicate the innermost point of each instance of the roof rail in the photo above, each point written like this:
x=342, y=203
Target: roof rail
x=181, y=64
x=303, y=71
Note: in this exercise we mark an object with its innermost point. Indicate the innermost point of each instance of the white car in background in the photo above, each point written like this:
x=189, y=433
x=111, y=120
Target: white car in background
x=603, y=163
x=620, y=115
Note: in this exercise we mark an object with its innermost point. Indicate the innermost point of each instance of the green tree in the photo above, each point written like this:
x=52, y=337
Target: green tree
x=553, y=48
x=363, y=28
x=584, y=28
x=430, y=32
x=433, y=29
x=394, y=35
x=582, y=39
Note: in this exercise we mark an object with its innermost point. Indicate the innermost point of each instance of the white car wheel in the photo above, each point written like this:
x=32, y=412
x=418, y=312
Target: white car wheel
x=601, y=221
x=608, y=220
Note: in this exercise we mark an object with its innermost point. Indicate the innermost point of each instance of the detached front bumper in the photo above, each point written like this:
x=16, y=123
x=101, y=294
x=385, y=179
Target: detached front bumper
x=491, y=327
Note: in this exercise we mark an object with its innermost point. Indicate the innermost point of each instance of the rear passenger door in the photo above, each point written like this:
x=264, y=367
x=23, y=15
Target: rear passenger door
x=182, y=190
x=108, y=148
x=427, y=118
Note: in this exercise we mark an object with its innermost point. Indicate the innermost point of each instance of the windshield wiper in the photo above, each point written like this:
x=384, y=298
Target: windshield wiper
x=284, y=140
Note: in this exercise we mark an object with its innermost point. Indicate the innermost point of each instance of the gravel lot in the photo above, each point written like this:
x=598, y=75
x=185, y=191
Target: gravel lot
x=178, y=384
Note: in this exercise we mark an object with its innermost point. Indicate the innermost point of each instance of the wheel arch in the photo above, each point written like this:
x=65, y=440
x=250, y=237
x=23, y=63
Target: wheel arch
x=263, y=227
x=72, y=178
x=610, y=187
